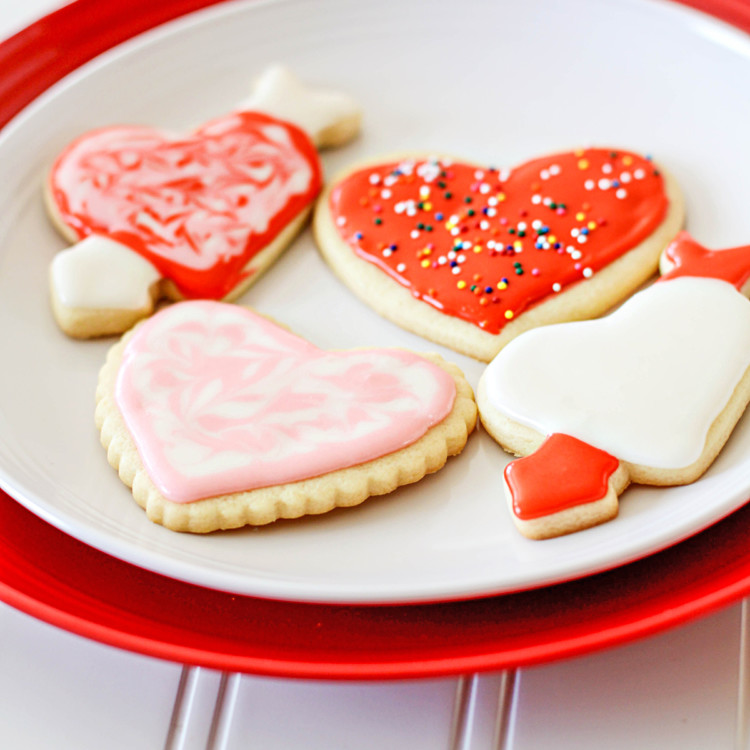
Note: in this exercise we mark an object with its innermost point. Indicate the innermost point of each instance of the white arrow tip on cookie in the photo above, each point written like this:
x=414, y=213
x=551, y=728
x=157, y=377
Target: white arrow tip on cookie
x=100, y=287
x=329, y=117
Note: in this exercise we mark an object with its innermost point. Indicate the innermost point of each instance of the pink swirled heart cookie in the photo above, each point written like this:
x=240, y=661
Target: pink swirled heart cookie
x=648, y=394
x=472, y=256
x=198, y=216
x=217, y=417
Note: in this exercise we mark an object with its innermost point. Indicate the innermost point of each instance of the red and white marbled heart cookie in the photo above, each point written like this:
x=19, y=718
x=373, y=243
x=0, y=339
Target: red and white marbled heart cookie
x=196, y=216
x=470, y=257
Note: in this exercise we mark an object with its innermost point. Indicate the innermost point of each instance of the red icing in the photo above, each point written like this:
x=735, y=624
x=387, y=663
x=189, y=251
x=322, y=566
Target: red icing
x=563, y=473
x=691, y=259
x=199, y=207
x=368, y=220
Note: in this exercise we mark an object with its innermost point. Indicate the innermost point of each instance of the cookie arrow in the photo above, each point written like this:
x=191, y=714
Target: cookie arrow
x=156, y=216
x=594, y=405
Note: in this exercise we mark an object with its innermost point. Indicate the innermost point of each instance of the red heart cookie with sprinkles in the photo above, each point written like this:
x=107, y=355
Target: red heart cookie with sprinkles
x=472, y=256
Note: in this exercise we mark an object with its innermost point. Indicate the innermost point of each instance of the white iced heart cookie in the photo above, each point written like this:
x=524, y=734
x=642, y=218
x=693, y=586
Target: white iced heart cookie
x=197, y=216
x=656, y=387
x=217, y=418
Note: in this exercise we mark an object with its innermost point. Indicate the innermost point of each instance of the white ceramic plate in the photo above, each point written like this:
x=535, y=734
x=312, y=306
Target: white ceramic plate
x=497, y=82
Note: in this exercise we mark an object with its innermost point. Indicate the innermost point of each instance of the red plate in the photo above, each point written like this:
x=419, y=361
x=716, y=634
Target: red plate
x=56, y=578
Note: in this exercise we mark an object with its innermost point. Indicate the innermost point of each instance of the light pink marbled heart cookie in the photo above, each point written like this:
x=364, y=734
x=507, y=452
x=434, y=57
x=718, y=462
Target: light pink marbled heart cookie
x=219, y=418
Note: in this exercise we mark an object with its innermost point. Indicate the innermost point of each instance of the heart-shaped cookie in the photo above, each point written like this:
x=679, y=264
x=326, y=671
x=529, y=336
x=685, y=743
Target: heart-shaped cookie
x=198, y=207
x=195, y=216
x=470, y=257
x=219, y=418
x=656, y=387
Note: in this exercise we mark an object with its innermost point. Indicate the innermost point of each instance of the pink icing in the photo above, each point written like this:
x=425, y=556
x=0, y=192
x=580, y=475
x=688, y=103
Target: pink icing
x=218, y=400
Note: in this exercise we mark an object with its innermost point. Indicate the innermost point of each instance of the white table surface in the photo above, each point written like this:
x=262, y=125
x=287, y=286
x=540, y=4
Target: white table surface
x=686, y=688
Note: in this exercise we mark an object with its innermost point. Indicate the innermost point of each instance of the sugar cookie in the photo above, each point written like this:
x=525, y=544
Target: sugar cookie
x=470, y=257
x=157, y=215
x=648, y=394
x=218, y=418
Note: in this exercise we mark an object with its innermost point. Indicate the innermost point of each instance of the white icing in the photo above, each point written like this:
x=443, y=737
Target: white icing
x=280, y=93
x=644, y=383
x=99, y=273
